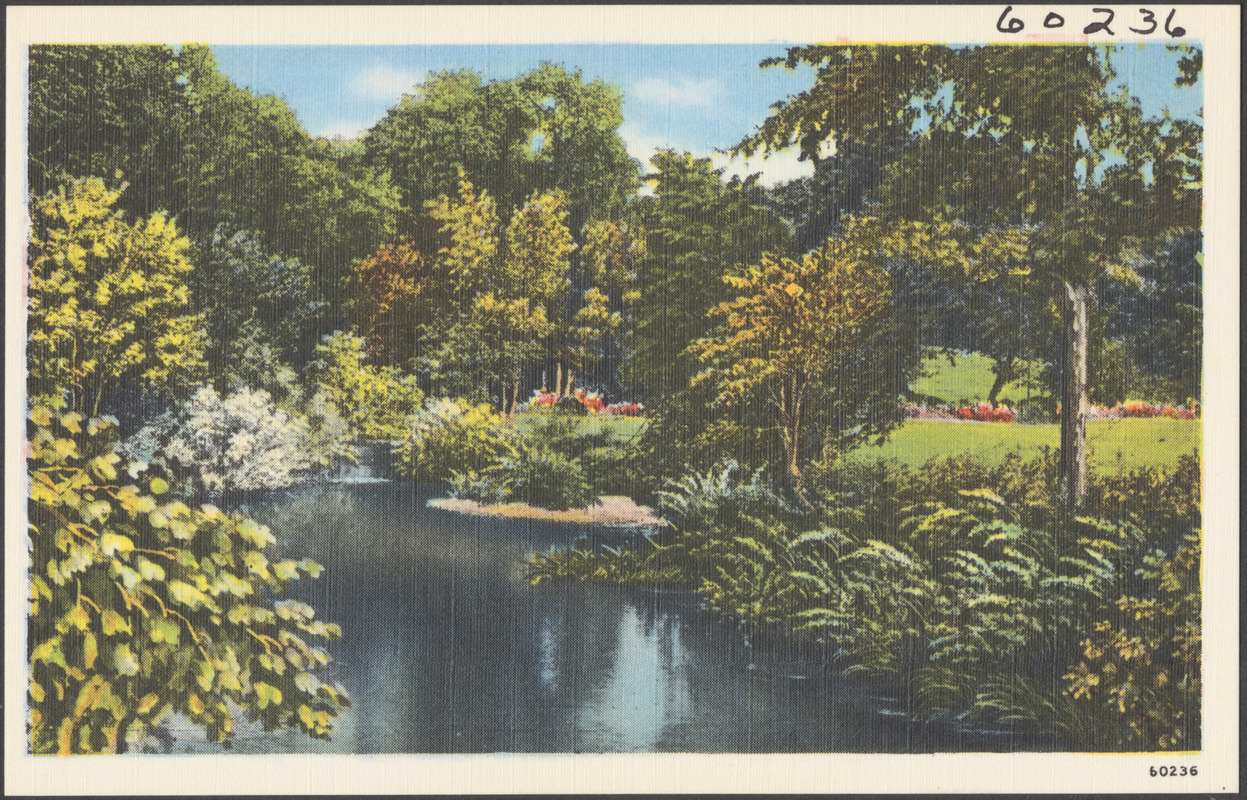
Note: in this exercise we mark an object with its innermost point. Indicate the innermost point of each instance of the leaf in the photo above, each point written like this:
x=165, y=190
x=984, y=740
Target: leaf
x=305, y=716
x=311, y=567
x=113, y=543
x=195, y=704
x=147, y=703
x=162, y=629
x=124, y=660
x=185, y=594
x=158, y=485
x=90, y=650
x=266, y=694
x=36, y=692
x=114, y=622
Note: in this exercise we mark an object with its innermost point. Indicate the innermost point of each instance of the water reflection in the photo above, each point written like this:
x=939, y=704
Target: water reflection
x=446, y=648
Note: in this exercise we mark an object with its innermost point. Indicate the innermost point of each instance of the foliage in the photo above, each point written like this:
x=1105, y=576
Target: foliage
x=375, y=402
x=794, y=325
x=141, y=607
x=394, y=305
x=543, y=129
x=448, y=436
x=611, y=565
x=213, y=444
x=545, y=478
x=108, y=299
x=1143, y=667
x=699, y=227
x=104, y=110
x=251, y=299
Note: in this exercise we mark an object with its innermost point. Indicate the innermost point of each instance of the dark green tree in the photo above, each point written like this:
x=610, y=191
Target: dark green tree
x=1029, y=137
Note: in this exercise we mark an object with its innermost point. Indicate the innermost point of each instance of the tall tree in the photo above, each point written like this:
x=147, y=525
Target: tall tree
x=792, y=326
x=1033, y=137
x=536, y=268
x=108, y=300
x=698, y=227
x=104, y=110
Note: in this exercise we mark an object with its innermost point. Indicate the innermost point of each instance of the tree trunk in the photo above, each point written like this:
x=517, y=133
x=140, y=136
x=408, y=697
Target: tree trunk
x=793, y=401
x=1073, y=475
x=1004, y=374
x=558, y=382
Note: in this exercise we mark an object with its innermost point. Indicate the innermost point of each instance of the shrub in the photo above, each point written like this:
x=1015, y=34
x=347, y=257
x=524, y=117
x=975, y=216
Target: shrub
x=239, y=442
x=141, y=607
x=447, y=436
x=1141, y=664
x=376, y=402
x=544, y=478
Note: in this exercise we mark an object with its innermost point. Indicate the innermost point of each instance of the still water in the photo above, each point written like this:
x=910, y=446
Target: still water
x=446, y=648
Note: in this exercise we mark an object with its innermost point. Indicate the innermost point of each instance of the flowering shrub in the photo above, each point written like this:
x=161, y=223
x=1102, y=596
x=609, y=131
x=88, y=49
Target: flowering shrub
x=448, y=436
x=587, y=401
x=1139, y=410
x=980, y=412
x=240, y=442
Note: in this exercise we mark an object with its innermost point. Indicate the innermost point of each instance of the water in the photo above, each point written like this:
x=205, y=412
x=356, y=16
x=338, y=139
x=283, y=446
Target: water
x=446, y=648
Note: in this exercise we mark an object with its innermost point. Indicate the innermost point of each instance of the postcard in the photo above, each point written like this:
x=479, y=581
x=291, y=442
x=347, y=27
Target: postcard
x=622, y=399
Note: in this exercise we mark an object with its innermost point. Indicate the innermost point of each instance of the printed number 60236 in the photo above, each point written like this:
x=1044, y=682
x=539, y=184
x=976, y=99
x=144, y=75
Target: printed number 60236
x=1172, y=772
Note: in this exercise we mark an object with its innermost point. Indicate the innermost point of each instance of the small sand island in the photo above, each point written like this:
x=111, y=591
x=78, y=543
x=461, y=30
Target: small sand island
x=614, y=511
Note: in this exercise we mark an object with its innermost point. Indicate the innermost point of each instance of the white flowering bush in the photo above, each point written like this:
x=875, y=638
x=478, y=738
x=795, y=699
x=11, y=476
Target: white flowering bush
x=239, y=442
x=448, y=436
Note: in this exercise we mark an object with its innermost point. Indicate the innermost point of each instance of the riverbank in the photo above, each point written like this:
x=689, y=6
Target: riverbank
x=612, y=512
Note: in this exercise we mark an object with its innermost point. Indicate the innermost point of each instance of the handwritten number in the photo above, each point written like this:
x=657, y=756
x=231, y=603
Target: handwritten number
x=1148, y=16
x=1175, y=32
x=1053, y=20
x=1096, y=27
x=1015, y=24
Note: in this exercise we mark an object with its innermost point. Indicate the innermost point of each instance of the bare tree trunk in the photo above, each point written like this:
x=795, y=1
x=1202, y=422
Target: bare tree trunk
x=1004, y=373
x=558, y=382
x=1074, y=401
x=793, y=402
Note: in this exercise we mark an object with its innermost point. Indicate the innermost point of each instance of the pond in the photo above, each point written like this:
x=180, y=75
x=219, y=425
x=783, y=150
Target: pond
x=447, y=648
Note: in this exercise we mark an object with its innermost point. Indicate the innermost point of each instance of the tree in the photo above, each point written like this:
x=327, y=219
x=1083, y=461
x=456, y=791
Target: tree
x=141, y=607
x=395, y=306
x=1030, y=137
x=250, y=298
x=104, y=110
x=610, y=256
x=108, y=300
x=793, y=326
x=544, y=130
x=535, y=267
x=698, y=228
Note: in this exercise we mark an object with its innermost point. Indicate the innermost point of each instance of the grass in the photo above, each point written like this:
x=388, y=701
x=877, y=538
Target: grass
x=1116, y=446
x=968, y=377
x=623, y=427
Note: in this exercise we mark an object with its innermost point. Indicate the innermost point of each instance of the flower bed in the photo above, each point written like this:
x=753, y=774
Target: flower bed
x=590, y=401
x=980, y=412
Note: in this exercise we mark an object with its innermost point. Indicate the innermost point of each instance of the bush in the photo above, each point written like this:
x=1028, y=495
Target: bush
x=376, y=402
x=141, y=607
x=239, y=442
x=544, y=478
x=447, y=436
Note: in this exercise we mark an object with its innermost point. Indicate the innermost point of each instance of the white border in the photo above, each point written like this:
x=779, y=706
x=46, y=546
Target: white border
x=1217, y=27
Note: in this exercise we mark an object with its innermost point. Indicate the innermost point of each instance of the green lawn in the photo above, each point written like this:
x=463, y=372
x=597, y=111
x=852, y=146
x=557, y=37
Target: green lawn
x=1116, y=445
x=624, y=427
x=967, y=377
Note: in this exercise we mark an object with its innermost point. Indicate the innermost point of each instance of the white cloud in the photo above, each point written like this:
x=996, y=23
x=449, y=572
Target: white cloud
x=778, y=168
x=385, y=82
x=345, y=130
x=641, y=145
x=682, y=92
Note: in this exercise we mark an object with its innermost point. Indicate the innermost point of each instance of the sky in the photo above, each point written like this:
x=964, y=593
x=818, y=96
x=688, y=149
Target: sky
x=690, y=97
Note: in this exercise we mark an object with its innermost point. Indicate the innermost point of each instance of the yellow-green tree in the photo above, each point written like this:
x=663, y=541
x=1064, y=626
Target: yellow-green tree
x=794, y=324
x=108, y=299
x=536, y=266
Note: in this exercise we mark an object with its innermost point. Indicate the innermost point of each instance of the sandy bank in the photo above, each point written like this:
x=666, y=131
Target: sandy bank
x=610, y=511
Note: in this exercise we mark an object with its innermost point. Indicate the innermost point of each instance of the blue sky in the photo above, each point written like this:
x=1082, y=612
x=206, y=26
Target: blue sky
x=691, y=97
